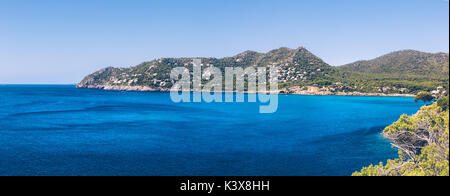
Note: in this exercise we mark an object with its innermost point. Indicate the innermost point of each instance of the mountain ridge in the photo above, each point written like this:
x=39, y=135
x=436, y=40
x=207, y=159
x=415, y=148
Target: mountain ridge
x=396, y=72
x=410, y=62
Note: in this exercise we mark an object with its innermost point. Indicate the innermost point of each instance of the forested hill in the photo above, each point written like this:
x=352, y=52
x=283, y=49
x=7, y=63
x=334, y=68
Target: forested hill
x=403, y=72
x=296, y=65
x=405, y=62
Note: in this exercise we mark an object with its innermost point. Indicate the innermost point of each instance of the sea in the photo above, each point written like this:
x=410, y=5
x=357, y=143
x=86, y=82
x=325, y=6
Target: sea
x=59, y=130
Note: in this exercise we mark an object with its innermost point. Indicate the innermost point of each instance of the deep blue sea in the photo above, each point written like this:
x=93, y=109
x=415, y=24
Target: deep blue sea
x=61, y=130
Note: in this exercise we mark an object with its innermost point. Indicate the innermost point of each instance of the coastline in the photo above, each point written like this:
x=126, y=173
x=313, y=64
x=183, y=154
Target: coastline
x=281, y=92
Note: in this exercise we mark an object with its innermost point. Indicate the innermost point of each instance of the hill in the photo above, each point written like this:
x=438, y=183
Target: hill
x=406, y=62
x=301, y=72
x=296, y=65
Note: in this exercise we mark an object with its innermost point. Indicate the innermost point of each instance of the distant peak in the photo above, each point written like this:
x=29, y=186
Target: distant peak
x=274, y=51
x=299, y=49
x=247, y=52
x=302, y=49
x=407, y=51
x=415, y=52
x=282, y=49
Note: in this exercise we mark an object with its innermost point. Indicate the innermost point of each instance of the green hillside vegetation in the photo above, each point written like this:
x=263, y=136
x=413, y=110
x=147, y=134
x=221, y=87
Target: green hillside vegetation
x=404, y=72
x=413, y=64
x=423, y=143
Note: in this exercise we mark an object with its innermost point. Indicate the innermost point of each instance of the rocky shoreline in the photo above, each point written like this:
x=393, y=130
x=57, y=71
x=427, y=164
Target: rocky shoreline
x=122, y=88
x=352, y=94
x=148, y=89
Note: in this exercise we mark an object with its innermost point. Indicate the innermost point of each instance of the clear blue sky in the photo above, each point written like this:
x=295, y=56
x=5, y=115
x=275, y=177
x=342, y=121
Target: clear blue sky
x=61, y=41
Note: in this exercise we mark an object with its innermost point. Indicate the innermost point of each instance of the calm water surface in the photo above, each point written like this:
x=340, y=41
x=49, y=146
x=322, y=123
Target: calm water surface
x=60, y=130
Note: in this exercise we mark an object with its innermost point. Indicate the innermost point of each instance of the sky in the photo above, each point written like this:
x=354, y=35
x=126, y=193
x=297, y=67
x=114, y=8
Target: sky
x=61, y=41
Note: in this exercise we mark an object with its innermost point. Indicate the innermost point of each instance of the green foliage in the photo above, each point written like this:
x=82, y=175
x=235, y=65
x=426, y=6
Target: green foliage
x=394, y=73
x=424, y=96
x=406, y=62
x=423, y=142
x=443, y=103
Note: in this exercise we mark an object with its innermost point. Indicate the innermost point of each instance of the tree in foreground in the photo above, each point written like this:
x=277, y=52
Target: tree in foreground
x=443, y=103
x=424, y=96
x=423, y=143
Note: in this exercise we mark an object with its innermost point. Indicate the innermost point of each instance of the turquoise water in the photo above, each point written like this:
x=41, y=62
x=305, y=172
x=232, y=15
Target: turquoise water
x=60, y=130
